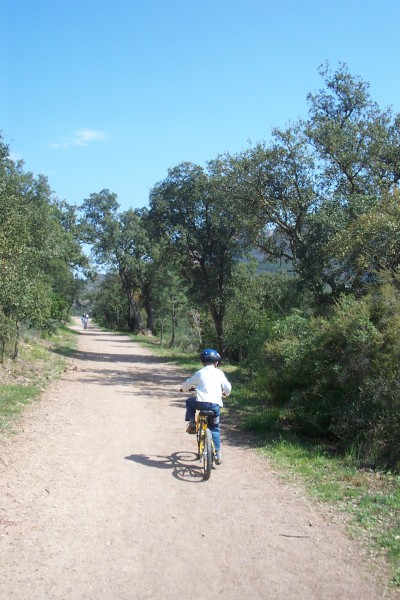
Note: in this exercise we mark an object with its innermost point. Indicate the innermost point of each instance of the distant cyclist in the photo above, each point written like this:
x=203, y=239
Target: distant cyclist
x=211, y=385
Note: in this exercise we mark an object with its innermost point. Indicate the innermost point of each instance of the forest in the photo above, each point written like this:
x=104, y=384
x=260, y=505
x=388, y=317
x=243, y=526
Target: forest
x=284, y=256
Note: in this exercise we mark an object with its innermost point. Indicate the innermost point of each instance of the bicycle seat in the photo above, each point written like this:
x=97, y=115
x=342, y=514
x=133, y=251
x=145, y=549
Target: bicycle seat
x=207, y=413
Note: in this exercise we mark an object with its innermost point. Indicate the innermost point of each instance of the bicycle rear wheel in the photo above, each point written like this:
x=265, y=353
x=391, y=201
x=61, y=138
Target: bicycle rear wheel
x=199, y=443
x=207, y=455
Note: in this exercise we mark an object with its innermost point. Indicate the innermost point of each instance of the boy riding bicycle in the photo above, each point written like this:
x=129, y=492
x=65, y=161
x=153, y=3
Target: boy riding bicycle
x=211, y=385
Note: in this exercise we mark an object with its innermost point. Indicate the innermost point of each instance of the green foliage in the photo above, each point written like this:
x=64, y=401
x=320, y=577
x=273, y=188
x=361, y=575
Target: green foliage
x=109, y=304
x=276, y=186
x=7, y=333
x=170, y=304
x=247, y=317
x=320, y=188
x=35, y=246
x=201, y=227
x=339, y=376
x=120, y=242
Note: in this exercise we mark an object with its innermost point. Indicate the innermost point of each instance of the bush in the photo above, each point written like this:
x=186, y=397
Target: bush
x=339, y=376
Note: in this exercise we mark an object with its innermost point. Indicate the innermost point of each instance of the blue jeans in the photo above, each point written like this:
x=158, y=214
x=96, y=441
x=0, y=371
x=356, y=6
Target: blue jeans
x=192, y=405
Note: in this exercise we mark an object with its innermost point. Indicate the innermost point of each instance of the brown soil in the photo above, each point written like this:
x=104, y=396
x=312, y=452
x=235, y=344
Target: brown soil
x=102, y=498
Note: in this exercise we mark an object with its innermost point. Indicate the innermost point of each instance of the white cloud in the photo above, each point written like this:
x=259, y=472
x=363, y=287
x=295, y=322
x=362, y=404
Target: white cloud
x=81, y=137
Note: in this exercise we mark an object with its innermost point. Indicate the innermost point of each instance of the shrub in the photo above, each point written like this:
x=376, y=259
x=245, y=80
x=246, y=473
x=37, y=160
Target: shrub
x=339, y=376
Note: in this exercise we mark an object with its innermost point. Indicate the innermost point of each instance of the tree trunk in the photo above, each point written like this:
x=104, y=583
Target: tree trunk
x=2, y=348
x=148, y=304
x=134, y=318
x=173, y=319
x=17, y=334
x=218, y=318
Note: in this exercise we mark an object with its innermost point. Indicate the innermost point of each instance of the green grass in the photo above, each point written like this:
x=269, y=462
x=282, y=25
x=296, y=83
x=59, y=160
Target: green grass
x=265, y=421
x=12, y=400
x=40, y=361
x=371, y=500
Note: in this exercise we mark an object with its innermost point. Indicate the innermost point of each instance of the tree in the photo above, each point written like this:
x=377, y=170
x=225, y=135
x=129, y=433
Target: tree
x=370, y=244
x=202, y=229
x=356, y=141
x=109, y=303
x=357, y=145
x=275, y=187
x=120, y=241
x=32, y=243
x=317, y=178
x=171, y=303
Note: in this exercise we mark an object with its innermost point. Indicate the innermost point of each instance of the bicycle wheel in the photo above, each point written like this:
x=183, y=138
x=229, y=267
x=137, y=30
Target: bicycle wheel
x=207, y=455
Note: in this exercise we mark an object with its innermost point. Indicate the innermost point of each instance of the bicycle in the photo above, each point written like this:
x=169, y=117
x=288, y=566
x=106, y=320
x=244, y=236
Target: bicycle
x=205, y=444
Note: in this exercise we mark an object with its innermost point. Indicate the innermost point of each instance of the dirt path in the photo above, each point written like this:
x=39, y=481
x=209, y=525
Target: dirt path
x=101, y=499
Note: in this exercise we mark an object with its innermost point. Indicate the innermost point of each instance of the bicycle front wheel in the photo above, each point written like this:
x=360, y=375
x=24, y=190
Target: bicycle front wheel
x=207, y=455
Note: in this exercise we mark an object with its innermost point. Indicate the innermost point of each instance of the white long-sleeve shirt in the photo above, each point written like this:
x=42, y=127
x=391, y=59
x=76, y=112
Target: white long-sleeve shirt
x=210, y=383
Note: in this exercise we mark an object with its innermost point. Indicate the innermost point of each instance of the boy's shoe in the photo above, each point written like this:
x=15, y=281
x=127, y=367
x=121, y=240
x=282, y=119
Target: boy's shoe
x=218, y=458
x=191, y=428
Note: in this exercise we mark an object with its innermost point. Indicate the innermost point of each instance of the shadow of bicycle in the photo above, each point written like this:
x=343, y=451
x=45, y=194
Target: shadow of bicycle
x=180, y=463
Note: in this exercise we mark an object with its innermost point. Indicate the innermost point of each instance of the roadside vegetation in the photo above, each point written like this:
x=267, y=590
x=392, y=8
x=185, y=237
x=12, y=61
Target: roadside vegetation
x=41, y=360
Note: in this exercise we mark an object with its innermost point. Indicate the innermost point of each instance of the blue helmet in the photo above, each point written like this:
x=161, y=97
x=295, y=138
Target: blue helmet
x=210, y=354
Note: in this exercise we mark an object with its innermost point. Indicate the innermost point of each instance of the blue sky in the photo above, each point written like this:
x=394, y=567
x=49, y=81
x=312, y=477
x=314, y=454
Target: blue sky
x=110, y=94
